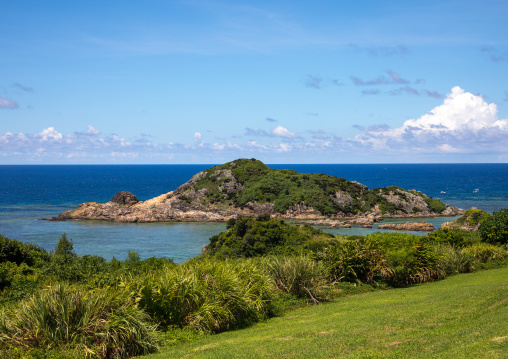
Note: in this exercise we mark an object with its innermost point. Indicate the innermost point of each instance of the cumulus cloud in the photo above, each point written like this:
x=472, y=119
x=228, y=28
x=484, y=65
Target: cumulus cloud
x=8, y=104
x=197, y=137
x=280, y=131
x=49, y=134
x=92, y=131
x=463, y=123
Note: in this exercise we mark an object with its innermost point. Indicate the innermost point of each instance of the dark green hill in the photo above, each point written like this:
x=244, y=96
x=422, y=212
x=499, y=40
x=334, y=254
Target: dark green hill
x=244, y=181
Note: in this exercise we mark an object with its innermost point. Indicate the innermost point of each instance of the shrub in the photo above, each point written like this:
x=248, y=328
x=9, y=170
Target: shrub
x=495, y=228
x=19, y=252
x=486, y=252
x=249, y=237
x=357, y=261
x=453, y=260
x=457, y=238
x=435, y=205
x=101, y=323
x=64, y=247
x=300, y=276
x=418, y=264
x=209, y=295
x=472, y=217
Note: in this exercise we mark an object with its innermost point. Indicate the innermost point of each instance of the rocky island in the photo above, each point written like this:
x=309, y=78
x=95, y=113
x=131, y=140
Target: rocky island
x=247, y=187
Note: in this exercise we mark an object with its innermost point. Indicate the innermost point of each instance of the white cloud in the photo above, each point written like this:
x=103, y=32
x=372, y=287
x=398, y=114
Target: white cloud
x=49, y=134
x=282, y=132
x=284, y=147
x=463, y=123
x=197, y=137
x=92, y=131
x=6, y=103
x=218, y=147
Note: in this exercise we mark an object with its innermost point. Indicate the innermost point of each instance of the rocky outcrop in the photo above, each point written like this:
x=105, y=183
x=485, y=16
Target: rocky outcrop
x=125, y=198
x=470, y=221
x=409, y=226
x=250, y=188
x=342, y=199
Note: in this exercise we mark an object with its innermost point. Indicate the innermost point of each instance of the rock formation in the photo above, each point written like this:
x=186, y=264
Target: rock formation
x=250, y=188
x=409, y=226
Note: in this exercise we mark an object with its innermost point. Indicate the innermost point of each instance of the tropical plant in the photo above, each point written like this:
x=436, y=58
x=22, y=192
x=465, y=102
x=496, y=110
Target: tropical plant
x=486, y=252
x=452, y=260
x=209, y=295
x=300, y=276
x=495, y=228
x=64, y=247
x=102, y=323
x=356, y=261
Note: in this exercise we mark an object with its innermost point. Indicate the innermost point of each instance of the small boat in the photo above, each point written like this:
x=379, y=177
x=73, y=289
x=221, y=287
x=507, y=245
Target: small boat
x=442, y=192
x=476, y=190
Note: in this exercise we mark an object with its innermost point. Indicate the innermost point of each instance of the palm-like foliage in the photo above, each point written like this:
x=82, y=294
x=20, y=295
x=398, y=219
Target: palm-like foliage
x=209, y=295
x=300, y=276
x=102, y=323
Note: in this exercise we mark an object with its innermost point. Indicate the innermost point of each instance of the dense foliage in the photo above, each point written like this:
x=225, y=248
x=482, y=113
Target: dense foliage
x=472, y=217
x=287, y=188
x=252, y=237
x=495, y=229
x=58, y=304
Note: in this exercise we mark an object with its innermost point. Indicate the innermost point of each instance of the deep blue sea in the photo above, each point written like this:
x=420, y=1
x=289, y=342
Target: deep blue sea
x=28, y=193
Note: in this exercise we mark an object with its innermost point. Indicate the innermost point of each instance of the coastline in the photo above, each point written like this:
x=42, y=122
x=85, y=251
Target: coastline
x=32, y=192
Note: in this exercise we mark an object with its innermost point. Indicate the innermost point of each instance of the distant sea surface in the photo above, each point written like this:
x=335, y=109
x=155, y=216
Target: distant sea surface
x=28, y=193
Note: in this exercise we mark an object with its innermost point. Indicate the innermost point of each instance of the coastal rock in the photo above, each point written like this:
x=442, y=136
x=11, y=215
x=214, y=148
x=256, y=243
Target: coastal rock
x=470, y=221
x=247, y=187
x=342, y=199
x=125, y=198
x=409, y=226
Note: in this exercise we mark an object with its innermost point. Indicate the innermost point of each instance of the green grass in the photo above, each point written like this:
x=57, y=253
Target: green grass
x=464, y=316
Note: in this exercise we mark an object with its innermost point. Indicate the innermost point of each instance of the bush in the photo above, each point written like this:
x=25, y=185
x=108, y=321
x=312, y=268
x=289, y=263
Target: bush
x=64, y=247
x=456, y=238
x=249, y=237
x=472, y=217
x=101, y=323
x=19, y=252
x=209, y=295
x=486, y=252
x=453, y=260
x=435, y=205
x=299, y=276
x=357, y=261
x=495, y=228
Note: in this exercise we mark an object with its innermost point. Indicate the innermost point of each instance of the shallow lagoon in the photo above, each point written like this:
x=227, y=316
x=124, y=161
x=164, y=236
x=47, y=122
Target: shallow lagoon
x=28, y=193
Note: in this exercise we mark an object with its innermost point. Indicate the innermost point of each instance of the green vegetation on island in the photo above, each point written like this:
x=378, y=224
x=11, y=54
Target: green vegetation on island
x=242, y=181
x=60, y=305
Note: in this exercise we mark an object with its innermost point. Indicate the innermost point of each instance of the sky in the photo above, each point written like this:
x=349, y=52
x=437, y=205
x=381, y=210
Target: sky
x=171, y=82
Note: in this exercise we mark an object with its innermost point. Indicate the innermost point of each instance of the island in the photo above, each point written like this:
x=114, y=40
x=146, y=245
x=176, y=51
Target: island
x=248, y=187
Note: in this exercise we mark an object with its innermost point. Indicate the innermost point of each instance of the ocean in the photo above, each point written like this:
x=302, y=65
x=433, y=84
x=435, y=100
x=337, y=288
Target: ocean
x=31, y=192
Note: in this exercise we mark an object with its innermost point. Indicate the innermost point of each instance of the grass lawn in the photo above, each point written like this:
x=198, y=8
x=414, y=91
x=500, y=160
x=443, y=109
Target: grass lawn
x=464, y=316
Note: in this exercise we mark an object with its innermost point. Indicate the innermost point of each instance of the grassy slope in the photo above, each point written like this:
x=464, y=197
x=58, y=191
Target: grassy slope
x=464, y=316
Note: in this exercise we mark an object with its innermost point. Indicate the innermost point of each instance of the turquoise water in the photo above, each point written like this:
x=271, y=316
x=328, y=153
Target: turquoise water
x=28, y=193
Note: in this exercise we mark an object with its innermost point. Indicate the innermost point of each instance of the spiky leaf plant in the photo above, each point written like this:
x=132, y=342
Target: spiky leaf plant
x=103, y=324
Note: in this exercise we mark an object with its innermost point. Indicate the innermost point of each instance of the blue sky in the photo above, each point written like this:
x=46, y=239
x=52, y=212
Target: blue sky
x=282, y=81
